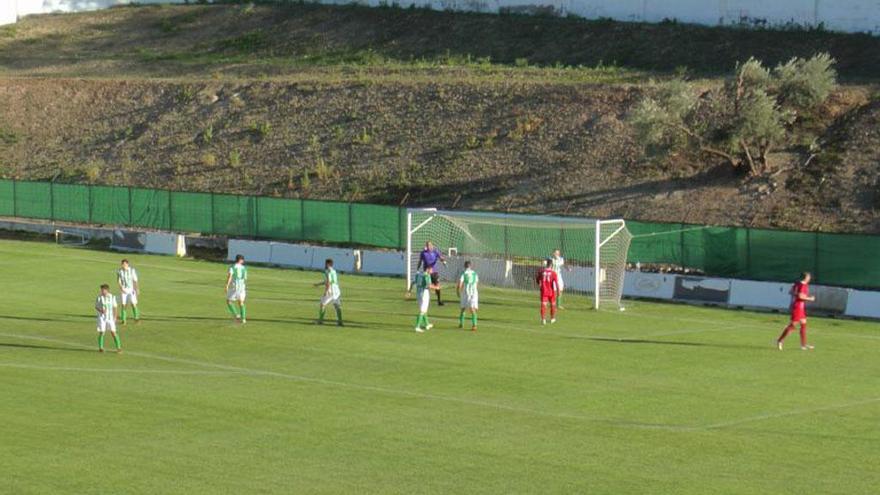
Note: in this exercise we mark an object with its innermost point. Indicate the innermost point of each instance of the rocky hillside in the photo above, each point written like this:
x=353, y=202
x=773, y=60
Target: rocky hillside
x=393, y=106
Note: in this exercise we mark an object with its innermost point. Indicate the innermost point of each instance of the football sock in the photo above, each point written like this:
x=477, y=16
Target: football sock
x=243, y=312
x=123, y=314
x=474, y=318
x=419, y=320
x=439, y=300
x=338, y=313
x=803, y=334
x=137, y=313
x=116, y=341
x=552, y=311
x=100, y=340
x=231, y=308
x=543, y=311
x=461, y=318
x=321, y=313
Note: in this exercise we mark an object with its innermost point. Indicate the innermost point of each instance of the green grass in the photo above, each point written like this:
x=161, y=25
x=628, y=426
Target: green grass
x=659, y=399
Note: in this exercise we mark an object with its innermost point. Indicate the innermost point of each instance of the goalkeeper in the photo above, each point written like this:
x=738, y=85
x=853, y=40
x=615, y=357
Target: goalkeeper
x=428, y=259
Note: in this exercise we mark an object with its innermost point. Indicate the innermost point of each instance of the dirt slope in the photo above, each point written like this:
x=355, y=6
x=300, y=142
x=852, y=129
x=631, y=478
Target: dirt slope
x=432, y=132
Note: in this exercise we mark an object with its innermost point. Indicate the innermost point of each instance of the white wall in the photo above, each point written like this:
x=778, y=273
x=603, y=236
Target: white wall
x=838, y=15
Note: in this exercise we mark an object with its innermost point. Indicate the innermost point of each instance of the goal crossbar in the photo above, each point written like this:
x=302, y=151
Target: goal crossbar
x=512, y=247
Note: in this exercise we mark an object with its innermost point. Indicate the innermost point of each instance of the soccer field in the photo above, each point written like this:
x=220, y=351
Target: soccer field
x=660, y=399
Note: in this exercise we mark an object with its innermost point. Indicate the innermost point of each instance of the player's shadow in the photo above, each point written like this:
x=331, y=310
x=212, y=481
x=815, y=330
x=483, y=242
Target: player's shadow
x=43, y=347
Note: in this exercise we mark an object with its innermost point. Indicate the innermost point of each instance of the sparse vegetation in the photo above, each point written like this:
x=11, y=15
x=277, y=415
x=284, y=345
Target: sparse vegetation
x=744, y=121
x=234, y=159
x=208, y=160
x=418, y=113
x=260, y=129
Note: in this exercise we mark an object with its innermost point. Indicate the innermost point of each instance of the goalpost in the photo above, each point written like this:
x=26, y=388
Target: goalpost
x=508, y=249
x=67, y=238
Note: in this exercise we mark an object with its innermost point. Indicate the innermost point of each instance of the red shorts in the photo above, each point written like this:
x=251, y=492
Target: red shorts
x=798, y=313
x=548, y=299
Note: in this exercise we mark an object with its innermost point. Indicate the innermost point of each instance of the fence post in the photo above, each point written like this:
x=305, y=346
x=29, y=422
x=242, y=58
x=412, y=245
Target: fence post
x=748, y=252
x=52, y=201
x=170, y=212
x=350, y=234
x=681, y=244
x=256, y=216
x=302, y=219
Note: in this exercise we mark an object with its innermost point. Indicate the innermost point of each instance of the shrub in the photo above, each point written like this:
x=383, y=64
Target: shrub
x=234, y=159
x=743, y=121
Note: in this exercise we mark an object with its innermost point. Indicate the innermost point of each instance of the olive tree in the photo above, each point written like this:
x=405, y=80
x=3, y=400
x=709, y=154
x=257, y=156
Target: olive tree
x=741, y=122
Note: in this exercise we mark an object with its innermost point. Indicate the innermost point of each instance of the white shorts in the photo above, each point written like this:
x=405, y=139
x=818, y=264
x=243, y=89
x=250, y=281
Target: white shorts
x=470, y=301
x=105, y=324
x=334, y=297
x=424, y=301
x=129, y=295
x=560, y=283
x=234, y=294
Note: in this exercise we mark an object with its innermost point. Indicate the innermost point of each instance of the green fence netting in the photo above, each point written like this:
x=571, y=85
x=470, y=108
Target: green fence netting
x=234, y=215
x=151, y=208
x=191, y=212
x=376, y=225
x=33, y=200
x=110, y=205
x=70, y=203
x=326, y=221
x=7, y=198
x=759, y=254
x=278, y=218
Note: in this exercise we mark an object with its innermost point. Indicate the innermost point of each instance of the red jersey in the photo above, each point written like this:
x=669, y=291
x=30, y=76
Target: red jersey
x=549, y=282
x=797, y=303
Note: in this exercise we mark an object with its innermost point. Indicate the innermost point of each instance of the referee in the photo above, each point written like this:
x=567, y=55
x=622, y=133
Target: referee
x=428, y=259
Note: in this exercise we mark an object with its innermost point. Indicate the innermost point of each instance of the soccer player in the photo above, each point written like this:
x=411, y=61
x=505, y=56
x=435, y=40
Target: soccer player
x=428, y=259
x=558, y=264
x=127, y=278
x=105, y=305
x=549, y=283
x=800, y=294
x=424, y=284
x=332, y=294
x=470, y=297
x=236, y=280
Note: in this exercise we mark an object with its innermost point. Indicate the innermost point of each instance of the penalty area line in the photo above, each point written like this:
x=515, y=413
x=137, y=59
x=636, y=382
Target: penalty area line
x=242, y=371
x=119, y=370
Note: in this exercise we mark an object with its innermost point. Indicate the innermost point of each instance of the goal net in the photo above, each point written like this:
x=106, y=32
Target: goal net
x=68, y=238
x=508, y=250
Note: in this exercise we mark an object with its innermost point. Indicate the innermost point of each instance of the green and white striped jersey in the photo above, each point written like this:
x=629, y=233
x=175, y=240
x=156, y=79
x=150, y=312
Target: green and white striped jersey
x=330, y=276
x=469, y=280
x=239, y=276
x=422, y=281
x=558, y=264
x=127, y=277
x=107, y=304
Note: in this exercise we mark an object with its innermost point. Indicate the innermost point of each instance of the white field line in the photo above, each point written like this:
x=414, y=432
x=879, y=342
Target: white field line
x=785, y=414
x=242, y=371
x=119, y=370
